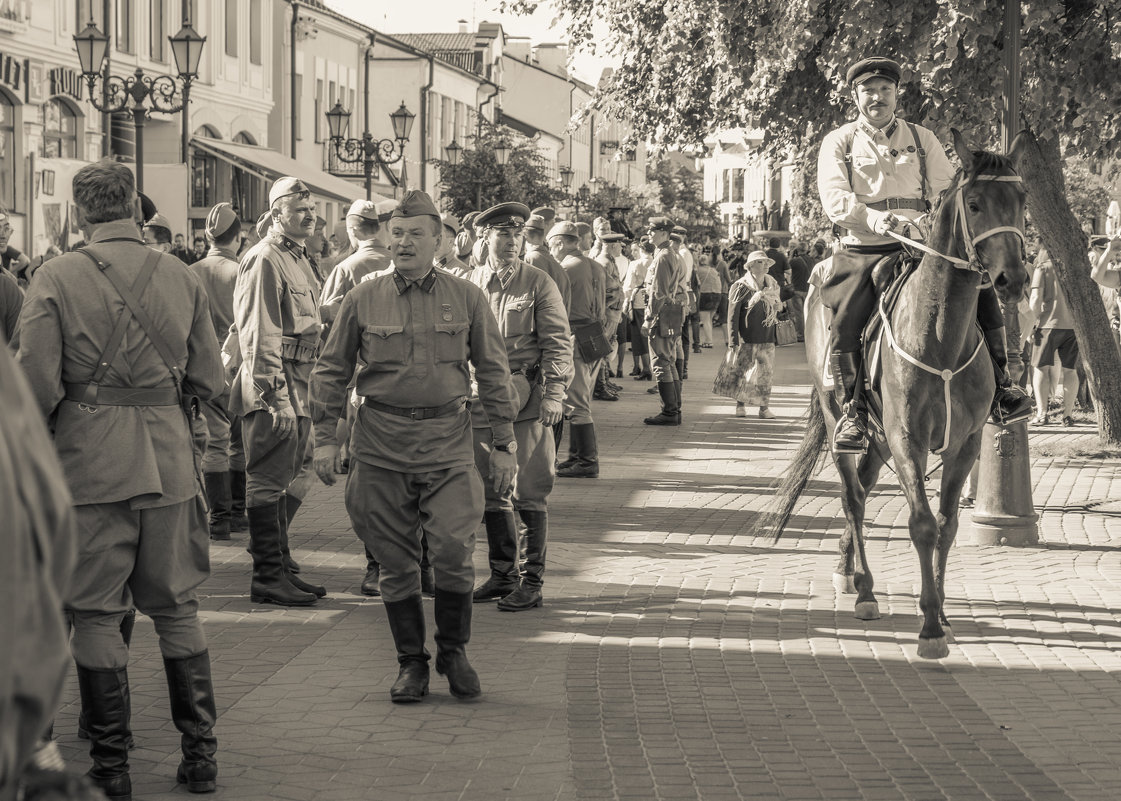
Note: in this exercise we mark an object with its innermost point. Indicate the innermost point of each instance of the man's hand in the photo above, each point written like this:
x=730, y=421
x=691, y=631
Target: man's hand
x=502, y=468
x=284, y=422
x=882, y=221
x=328, y=461
x=551, y=412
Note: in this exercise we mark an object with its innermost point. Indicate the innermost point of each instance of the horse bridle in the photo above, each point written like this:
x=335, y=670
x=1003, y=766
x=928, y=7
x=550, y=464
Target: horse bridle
x=973, y=263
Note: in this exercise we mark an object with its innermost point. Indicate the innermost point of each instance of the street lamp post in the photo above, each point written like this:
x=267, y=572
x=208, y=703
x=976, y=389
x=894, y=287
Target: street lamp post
x=161, y=91
x=368, y=150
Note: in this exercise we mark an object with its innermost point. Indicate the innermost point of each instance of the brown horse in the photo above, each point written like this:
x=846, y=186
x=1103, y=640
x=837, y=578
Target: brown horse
x=937, y=383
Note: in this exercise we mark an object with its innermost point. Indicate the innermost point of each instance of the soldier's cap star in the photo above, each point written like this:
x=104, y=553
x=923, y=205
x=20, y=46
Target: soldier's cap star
x=503, y=215
x=286, y=186
x=415, y=203
x=874, y=67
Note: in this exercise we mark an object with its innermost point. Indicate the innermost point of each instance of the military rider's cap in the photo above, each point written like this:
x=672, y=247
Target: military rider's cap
x=504, y=215
x=545, y=213
x=612, y=237
x=220, y=219
x=536, y=222
x=660, y=224
x=469, y=219
x=876, y=67
x=416, y=203
x=286, y=186
x=365, y=209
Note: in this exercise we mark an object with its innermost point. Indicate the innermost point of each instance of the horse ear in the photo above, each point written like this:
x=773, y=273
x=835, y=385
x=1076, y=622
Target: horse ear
x=965, y=153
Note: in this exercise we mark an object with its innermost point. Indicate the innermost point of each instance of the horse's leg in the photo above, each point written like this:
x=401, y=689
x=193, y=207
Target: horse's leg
x=955, y=470
x=866, y=608
x=842, y=573
x=854, y=483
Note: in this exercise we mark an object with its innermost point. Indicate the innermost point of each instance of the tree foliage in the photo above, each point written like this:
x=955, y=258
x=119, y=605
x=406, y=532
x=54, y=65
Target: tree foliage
x=681, y=196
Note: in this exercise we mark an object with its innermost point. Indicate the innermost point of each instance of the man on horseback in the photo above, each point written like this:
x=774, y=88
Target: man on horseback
x=877, y=175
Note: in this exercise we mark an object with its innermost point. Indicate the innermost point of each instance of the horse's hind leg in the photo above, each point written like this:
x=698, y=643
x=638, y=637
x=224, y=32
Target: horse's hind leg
x=955, y=470
x=857, y=478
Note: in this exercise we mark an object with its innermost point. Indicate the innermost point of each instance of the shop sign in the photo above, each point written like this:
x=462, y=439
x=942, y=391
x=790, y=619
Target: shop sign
x=65, y=81
x=13, y=74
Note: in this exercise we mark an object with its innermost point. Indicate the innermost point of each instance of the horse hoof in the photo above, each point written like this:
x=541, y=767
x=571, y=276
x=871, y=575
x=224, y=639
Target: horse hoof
x=933, y=648
x=867, y=610
x=843, y=584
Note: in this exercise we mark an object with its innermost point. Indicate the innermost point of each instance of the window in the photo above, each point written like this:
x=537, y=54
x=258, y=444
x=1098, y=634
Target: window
x=124, y=26
x=60, y=130
x=157, y=47
x=231, y=28
x=317, y=115
x=255, y=26
x=7, y=153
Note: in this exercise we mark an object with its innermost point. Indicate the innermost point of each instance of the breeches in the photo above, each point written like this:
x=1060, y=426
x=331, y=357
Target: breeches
x=849, y=292
x=579, y=402
x=271, y=461
x=390, y=511
x=151, y=559
x=667, y=350
x=536, y=457
x=224, y=450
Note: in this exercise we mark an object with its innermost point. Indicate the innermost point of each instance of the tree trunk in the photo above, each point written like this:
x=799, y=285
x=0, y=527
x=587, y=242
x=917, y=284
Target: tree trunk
x=1041, y=167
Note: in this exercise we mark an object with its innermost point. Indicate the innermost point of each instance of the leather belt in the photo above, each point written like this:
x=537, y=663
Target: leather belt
x=420, y=412
x=531, y=373
x=122, y=396
x=887, y=204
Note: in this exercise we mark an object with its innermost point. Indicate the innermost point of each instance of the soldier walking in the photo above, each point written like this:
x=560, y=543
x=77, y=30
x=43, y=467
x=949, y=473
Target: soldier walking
x=664, y=321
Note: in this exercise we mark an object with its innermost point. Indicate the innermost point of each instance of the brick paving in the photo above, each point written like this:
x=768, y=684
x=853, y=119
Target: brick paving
x=676, y=657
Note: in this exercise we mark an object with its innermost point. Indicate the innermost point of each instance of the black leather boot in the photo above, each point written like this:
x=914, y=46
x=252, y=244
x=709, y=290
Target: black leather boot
x=671, y=412
x=238, y=520
x=128, y=623
x=682, y=366
x=219, y=499
x=373, y=575
x=851, y=432
x=406, y=622
x=502, y=550
x=528, y=593
x=677, y=389
x=297, y=582
x=582, y=438
x=558, y=434
x=573, y=445
x=288, y=508
x=191, y=691
x=453, y=631
x=270, y=580
x=1010, y=404
x=105, y=700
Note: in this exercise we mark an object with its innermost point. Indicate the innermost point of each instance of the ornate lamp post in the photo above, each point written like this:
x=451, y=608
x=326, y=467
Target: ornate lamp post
x=368, y=150
x=162, y=91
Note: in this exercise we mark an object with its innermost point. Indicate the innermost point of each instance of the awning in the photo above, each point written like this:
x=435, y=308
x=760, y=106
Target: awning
x=270, y=165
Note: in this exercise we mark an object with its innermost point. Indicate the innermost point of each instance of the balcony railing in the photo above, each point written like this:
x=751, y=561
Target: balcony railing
x=336, y=166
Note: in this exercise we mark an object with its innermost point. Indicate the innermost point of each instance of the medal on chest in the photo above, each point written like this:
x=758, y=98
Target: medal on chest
x=446, y=313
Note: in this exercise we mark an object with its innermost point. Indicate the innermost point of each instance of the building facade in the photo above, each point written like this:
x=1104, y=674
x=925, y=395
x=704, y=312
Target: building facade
x=751, y=192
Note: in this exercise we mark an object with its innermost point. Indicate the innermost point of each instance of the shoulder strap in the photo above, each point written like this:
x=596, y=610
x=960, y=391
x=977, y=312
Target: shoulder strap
x=922, y=162
x=848, y=153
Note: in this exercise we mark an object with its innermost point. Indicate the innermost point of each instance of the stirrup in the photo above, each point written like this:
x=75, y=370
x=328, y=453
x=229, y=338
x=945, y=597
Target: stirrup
x=843, y=441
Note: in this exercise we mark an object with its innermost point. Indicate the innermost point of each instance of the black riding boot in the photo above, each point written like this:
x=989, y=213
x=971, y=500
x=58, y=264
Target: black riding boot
x=406, y=621
x=682, y=366
x=289, y=507
x=128, y=623
x=105, y=700
x=270, y=580
x=680, y=401
x=1010, y=404
x=502, y=552
x=851, y=433
x=671, y=412
x=219, y=498
x=192, y=711
x=453, y=631
x=373, y=575
x=238, y=520
x=583, y=453
x=528, y=593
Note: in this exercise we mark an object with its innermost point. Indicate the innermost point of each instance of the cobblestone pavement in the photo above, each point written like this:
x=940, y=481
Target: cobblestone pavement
x=677, y=658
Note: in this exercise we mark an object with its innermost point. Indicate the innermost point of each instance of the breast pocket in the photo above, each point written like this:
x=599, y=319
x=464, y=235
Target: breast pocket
x=303, y=302
x=451, y=342
x=385, y=345
x=518, y=318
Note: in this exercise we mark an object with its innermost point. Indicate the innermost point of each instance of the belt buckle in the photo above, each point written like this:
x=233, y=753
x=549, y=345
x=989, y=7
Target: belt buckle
x=412, y=413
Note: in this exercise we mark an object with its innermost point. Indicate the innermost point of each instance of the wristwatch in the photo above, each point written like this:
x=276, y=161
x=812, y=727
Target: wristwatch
x=509, y=447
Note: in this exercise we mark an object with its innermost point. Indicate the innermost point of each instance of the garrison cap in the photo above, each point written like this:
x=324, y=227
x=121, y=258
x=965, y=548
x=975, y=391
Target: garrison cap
x=283, y=187
x=451, y=221
x=365, y=209
x=416, y=203
x=385, y=209
x=536, y=222
x=545, y=213
x=158, y=221
x=504, y=215
x=563, y=228
x=220, y=219
x=660, y=224
x=264, y=222
x=875, y=67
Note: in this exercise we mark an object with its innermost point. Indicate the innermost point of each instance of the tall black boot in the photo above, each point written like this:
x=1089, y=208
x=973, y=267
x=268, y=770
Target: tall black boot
x=677, y=390
x=370, y=584
x=582, y=445
x=105, y=700
x=191, y=691
x=558, y=434
x=270, y=580
x=502, y=551
x=682, y=366
x=219, y=499
x=406, y=621
x=671, y=412
x=238, y=520
x=128, y=623
x=573, y=446
x=288, y=512
x=453, y=631
x=1010, y=404
x=528, y=593
x=851, y=432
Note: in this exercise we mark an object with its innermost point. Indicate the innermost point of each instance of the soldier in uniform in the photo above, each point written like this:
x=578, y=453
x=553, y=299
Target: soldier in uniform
x=666, y=296
x=876, y=175
x=534, y=324
x=276, y=311
x=413, y=334
x=446, y=259
x=588, y=305
x=112, y=373
x=370, y=256
x=537, y=253
x=224, y=456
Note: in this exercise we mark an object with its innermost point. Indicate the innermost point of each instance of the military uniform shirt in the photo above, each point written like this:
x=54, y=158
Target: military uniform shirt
x=370, y=257
x=455, y=266
x=667, y=282
x=885, y=164
x=413, y=344
x=589, y=289
x=217, y=272
x=543, y=260
x=276, y=309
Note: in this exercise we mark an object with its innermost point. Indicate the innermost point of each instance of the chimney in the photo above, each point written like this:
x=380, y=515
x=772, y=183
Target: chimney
x=463, y=26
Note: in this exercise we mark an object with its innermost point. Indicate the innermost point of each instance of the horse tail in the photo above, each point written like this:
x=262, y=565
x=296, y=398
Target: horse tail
x=789, y=486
